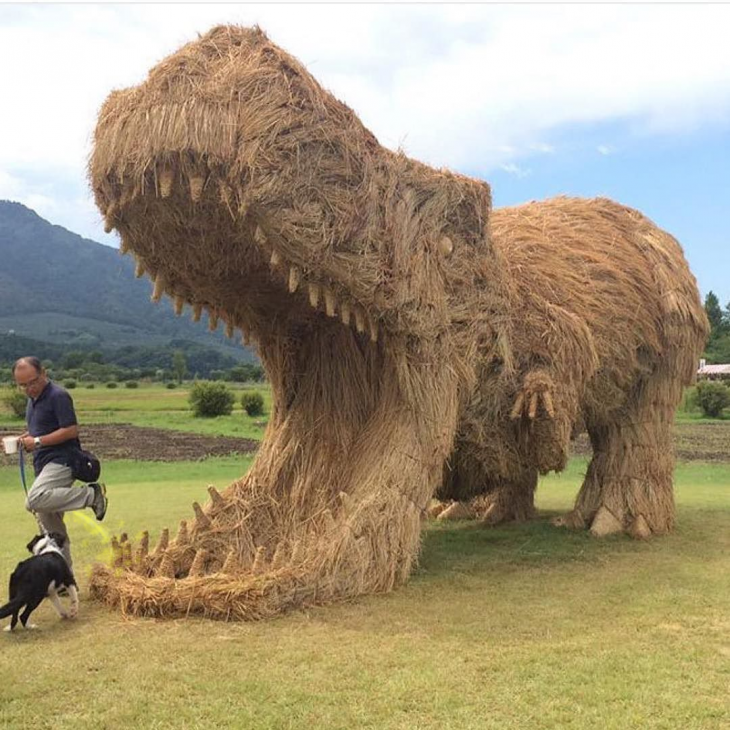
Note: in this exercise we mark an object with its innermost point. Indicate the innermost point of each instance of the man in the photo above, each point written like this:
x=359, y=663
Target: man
x=53, y=438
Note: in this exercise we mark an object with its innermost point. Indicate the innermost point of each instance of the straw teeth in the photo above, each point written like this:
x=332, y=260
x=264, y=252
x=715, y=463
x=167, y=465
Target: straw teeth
x=330, y=303
x=197, y=312
x=373, y=329
x=166, y=568
x=196, y=187
x=231, y=563
x=293, y=279
x=197, y=569
x=279, y=556
x=345, y=313
x=225, y=193
x=163, y=542
x=139, y=270
x=183, y=537
x=127, y=555
x=314, y=294
x=215, y=497
x=166, y=179
x=359, y=320
x=212, y=320
x=159, y=289
x=275, y=259
x=179, y=305
x=230, y=329
x=259, y=562
x=202, y=521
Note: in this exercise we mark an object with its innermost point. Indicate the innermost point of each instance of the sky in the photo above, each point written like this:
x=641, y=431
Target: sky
x=628, y=101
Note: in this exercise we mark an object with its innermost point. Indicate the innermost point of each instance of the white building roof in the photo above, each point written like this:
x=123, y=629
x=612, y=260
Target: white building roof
x=714, y=370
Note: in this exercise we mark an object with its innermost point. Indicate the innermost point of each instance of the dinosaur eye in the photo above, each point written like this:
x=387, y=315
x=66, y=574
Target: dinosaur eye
x=446, y=246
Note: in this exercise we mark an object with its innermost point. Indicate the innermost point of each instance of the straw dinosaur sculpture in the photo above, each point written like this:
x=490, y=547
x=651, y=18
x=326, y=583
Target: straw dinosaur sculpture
x=417, y=343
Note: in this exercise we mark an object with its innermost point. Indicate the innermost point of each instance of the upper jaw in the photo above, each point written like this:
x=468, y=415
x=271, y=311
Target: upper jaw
x=244, y=188
x=202, y=252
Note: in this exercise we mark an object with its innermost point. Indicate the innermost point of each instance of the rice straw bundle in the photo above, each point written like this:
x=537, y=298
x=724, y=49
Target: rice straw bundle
x=412, y=346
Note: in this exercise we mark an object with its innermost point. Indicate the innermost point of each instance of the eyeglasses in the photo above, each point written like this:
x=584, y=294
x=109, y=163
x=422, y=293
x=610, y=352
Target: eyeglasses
x=30, y=383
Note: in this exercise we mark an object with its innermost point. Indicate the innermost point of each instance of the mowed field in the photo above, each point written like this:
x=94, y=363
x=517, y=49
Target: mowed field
x=523, y=626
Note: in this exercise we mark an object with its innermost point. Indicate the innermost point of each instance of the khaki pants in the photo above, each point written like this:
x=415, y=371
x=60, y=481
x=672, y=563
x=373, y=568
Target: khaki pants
x=52, y=494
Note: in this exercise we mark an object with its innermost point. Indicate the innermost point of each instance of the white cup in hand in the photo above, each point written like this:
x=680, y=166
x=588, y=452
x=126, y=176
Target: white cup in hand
x=10, y=444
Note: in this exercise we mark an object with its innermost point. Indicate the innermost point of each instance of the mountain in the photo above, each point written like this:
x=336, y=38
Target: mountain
x=58, y=287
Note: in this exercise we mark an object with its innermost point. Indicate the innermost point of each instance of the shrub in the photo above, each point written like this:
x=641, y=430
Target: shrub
x=112, y=384
x=171, y=385
x=16, y=402
x=91, y=386
x=712, y=397
x=253, y=403
x=69, y=384
x=131, y=384
x=211, y=399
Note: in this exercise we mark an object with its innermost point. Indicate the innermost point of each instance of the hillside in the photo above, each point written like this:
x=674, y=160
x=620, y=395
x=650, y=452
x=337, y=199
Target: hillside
x=58, y=287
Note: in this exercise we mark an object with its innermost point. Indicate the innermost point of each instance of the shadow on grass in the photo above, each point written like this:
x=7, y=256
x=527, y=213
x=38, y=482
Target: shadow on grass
x=467, y=547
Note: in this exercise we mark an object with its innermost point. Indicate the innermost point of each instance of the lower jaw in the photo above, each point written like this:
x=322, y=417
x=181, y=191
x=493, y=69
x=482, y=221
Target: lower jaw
x=331, y=508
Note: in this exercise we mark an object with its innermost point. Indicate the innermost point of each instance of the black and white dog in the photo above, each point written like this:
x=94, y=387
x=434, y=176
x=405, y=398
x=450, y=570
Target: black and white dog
x=39, y=577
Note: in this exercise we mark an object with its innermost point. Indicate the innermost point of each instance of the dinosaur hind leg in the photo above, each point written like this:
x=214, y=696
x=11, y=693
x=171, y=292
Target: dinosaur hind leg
x=628, y=484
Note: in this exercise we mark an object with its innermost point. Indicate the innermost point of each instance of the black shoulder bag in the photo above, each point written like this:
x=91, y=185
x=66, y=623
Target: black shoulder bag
x=85, y=466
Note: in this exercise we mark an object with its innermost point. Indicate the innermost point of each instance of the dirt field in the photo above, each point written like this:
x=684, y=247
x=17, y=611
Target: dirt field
x=694, y=441
x=123, y=441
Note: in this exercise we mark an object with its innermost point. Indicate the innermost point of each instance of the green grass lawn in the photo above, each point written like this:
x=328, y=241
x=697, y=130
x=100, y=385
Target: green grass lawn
x=155, y=406
x=518, y=627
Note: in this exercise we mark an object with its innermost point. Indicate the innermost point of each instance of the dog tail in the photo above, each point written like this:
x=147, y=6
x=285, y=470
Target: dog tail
x=12, y=606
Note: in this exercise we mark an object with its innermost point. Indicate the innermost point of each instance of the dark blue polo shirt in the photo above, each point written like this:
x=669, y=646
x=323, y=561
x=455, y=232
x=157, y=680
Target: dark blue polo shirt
x=51, y=410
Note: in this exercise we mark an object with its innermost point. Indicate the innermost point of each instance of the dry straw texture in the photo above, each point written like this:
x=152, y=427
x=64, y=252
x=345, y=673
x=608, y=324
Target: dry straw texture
x=409, y=349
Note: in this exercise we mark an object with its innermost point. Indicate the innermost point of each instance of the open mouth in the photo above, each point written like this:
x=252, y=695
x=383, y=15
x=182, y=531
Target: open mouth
x=247, y=192
x=204, y=248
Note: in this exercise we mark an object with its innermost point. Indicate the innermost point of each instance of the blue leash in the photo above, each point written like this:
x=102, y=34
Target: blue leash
x=21, y=461
x=22, y=471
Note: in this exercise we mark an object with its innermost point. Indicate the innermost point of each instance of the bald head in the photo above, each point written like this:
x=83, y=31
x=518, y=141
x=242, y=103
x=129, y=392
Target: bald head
x=28, y=362
x=30, y=376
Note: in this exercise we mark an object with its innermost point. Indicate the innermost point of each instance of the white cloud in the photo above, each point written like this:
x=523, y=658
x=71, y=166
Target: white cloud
x=515, y=170
x=604, y=149
x=468, y=87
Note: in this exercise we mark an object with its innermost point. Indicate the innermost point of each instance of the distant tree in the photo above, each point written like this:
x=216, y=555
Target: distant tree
x=712, y=397
x=211, y=399
x=239, y=374
x=179, y=365
x=73, y=359
x=252, y=402
x=16, y=402
x=715, y=315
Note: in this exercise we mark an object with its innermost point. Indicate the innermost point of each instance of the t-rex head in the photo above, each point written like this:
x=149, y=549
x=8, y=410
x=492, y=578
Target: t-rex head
x=243, y=188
